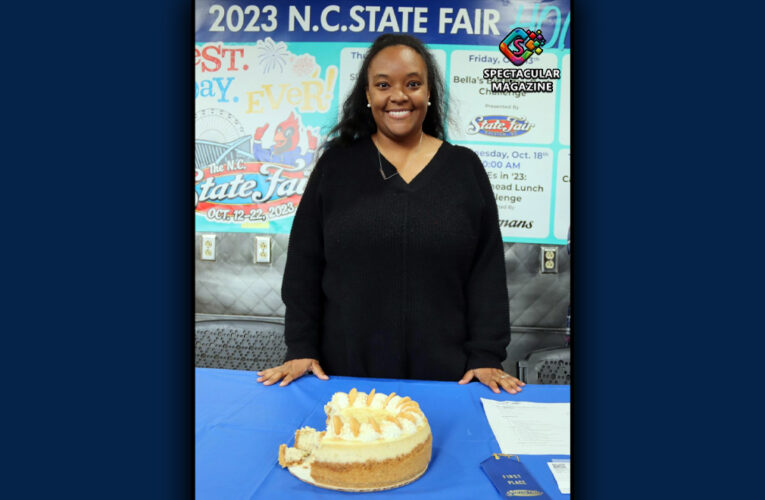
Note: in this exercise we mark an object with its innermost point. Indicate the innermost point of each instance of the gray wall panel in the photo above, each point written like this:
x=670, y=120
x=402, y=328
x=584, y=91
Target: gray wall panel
x=234, y=285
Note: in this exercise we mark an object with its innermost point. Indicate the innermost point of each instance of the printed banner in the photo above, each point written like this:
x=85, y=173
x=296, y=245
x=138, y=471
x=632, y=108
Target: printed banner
x=270, y=80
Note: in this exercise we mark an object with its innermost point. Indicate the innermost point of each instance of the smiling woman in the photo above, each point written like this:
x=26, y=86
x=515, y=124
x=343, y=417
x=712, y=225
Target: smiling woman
x=398, y=97
x=395, y=266
x=356, y=122
x=398, y=92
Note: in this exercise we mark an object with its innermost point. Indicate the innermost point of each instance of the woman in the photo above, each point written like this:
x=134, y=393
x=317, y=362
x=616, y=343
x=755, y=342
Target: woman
x=395, y=266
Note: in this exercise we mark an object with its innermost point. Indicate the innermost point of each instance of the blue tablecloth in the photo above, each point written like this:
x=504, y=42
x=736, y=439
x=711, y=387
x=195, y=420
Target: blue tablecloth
x=240, y=424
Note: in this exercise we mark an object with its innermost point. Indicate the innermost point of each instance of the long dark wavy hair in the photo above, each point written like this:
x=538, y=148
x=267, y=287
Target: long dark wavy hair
x=356, y=120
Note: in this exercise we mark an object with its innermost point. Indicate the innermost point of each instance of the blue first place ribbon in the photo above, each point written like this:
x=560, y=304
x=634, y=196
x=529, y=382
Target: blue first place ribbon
x=511, y=478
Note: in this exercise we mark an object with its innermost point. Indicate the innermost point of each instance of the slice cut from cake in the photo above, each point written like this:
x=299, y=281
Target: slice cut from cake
x=372, y=441
x=307, y=439
x=291, y=456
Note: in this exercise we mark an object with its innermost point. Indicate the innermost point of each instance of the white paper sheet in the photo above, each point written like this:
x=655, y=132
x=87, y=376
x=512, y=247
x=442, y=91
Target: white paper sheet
x=524, y=428
x=561, y=471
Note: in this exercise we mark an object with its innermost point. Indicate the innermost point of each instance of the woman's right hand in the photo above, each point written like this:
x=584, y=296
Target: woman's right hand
x=291, y=370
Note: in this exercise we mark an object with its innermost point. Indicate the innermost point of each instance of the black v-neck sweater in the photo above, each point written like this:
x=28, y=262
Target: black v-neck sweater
x=394, y=280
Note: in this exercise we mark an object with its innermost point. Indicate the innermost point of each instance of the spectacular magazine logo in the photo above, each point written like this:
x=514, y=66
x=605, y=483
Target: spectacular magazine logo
x=520, y=44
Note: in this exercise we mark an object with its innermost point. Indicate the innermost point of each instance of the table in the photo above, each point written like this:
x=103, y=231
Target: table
x=240, y=424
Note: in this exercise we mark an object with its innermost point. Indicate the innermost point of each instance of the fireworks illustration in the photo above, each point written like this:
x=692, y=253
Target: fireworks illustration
x=271, y=55
x=303, y=65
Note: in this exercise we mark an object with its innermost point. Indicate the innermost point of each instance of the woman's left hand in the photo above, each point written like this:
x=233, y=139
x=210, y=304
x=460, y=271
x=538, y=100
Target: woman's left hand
x=494, y=379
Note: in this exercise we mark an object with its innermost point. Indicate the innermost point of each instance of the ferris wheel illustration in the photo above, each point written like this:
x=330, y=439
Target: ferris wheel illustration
x=220, y=138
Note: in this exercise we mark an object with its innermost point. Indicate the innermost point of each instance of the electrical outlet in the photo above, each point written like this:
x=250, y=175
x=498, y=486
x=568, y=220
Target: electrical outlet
x=262, y=249
x=208, y=247
x=549, y=260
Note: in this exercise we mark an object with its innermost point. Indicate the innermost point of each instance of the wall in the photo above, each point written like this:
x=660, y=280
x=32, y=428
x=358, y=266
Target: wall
x=233, y=286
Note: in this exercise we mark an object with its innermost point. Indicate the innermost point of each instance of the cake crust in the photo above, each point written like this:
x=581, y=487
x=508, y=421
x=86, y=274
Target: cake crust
x=375, y=474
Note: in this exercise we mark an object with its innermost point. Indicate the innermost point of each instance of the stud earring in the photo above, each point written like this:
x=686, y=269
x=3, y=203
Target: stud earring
x=369, y=105
x=428, y=103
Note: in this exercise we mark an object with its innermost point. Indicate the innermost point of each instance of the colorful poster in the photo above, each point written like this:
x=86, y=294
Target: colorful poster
x=270, y=81
x=254, y=146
